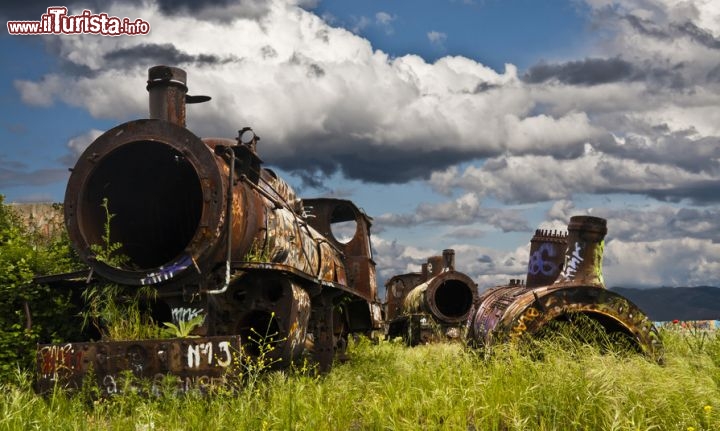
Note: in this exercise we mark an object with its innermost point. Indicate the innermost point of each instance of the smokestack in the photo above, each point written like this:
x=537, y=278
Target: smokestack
x=583, y=257
x=547, y=255
x=167, y=87
x=449, y=258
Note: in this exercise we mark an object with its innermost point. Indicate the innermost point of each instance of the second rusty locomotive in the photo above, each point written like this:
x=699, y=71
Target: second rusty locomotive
x=564, y=286
x=431, y=305
x=216, y=235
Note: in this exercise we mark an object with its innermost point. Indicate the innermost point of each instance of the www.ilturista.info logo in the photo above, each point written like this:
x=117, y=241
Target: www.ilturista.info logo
x=57, y=21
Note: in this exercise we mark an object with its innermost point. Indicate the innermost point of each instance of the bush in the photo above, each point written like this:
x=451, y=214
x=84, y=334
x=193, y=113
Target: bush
x=31, y=313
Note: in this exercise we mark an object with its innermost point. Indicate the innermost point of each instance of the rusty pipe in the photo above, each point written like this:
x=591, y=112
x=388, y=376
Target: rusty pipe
x=228, y=227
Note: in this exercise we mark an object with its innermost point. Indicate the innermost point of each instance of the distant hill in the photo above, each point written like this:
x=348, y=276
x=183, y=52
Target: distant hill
x=670, y=303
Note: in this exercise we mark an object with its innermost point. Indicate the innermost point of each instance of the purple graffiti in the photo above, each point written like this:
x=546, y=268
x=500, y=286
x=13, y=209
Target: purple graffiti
x=538, y=264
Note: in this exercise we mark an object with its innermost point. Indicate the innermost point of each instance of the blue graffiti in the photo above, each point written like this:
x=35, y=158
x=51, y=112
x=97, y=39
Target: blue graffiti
x=538, y=263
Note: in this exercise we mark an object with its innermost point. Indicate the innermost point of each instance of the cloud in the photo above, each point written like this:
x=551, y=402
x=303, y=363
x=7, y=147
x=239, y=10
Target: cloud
x=78, y=144
x=385, y=20
x=527, y=179
x=357, y=103
x=680, y=38
x=591, y=71
x=220, y=10
x=437, y=38
x=216, y=10
x=676, y=262
x=14, y=174
x=165, y=53
x=466, y=233
x=391, y=120
x=647, y=223
x=674, y=30
x=360, y=24
x=465, y=210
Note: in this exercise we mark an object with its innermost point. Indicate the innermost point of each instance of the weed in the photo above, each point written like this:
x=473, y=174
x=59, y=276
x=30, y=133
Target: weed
x=259, y=251
x=107, y=252
x=183, y=328
x=114, y=311
x=118, y=314
x=258, y=354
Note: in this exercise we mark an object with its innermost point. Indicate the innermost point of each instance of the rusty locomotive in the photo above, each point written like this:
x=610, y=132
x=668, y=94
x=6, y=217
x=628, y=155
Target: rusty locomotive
x=432, y=305
x=216, y=235
x=564, y=284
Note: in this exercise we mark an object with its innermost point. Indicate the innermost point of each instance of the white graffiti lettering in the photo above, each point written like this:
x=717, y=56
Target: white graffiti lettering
x=224, y=347
x=55, y=359
x=183, y=314
x=572, y=263
x=194, y=352
x=110, y=385
x=203, y=353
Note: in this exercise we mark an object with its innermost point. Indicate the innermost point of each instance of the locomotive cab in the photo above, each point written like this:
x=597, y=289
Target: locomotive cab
x=348, y=229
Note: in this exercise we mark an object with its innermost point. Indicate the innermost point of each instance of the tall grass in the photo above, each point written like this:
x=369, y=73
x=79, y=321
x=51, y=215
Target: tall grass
x=556, y=385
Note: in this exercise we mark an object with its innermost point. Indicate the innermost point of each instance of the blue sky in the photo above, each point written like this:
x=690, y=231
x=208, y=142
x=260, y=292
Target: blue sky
x=493, y=32
x=455, y=124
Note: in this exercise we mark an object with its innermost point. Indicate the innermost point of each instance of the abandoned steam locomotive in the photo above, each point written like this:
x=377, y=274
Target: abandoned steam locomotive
x=432, y=305
x=564, y=284
x=217, y=235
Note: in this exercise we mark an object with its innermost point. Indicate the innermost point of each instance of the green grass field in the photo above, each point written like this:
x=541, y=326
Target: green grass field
x=555, y=385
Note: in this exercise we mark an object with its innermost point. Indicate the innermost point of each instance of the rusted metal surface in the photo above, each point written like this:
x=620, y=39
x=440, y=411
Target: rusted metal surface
x=218, y=235
x=584, y=253
x=264, y=306
x=447, y=296
x=322, y=214
x=396, y=289
x=193, y=363
x=433, y=305
x=162, y=183
x=517, y=311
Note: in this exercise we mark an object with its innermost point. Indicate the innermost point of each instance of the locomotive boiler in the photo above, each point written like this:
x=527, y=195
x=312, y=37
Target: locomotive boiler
x=432, y=305
x=215, y=235
x=564, y=286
